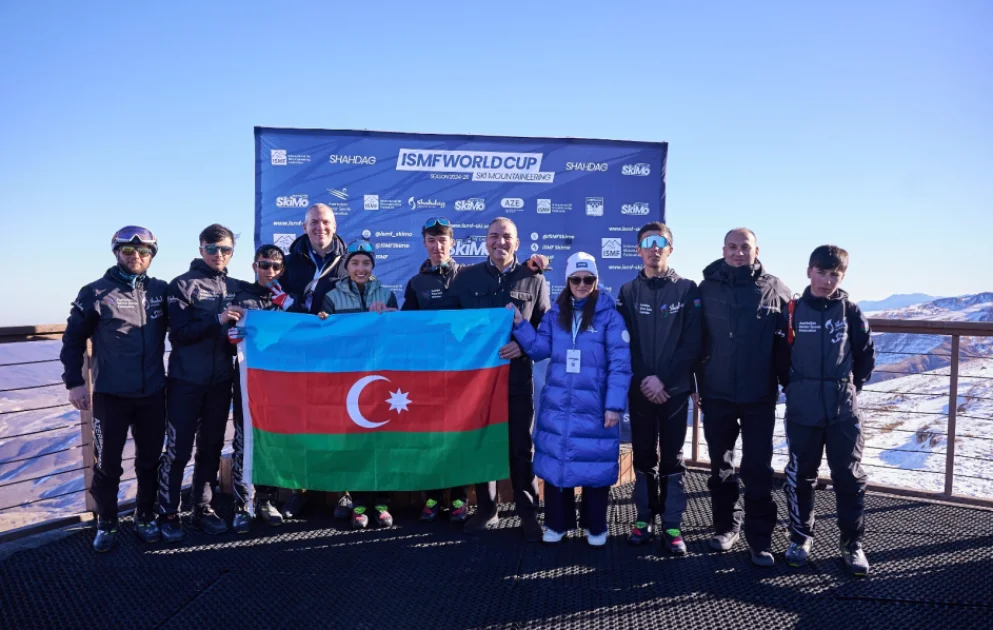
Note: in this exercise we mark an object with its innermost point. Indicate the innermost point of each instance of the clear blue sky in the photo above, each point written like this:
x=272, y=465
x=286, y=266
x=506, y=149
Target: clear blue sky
x=866, y=124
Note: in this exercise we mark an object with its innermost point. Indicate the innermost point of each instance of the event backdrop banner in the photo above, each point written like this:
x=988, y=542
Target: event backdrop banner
x=565, y=195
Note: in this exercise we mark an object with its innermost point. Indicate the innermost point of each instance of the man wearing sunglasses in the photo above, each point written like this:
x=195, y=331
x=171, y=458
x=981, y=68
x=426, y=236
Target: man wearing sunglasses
x=495, y=283
x=662, y=313
x=316, y=260
x=123, y=314
x=200, y=376
x=265, y=294
x=430, y=290
x=742, y=306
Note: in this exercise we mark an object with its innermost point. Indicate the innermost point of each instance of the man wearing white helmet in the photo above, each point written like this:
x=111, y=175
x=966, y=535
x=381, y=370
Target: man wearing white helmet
x=124, y=315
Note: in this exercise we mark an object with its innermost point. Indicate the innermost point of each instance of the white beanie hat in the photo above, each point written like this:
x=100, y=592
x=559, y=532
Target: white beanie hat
x=581, y=261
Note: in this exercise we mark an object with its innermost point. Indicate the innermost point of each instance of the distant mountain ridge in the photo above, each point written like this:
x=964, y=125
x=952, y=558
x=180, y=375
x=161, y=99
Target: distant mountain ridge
x=898, y=300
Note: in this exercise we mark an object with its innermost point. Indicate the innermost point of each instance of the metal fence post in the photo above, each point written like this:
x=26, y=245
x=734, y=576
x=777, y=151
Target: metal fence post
x=86, y=431
x=953, y=403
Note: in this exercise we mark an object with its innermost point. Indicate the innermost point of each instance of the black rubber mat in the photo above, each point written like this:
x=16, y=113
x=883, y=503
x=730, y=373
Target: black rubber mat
x=932, y=567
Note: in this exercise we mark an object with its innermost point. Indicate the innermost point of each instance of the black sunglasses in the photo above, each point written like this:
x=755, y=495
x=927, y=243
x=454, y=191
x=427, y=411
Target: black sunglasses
x=265, y=264
x=587, y=280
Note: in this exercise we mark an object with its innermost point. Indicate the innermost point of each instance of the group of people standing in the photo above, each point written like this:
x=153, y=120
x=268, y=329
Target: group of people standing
x=728, y=343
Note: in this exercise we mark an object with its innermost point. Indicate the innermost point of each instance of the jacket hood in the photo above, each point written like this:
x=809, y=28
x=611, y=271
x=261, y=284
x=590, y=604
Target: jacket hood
x=427, y=267
x=198, y=264
x=723, y=272
x=301, y=246
x=115, y=274
x=837, y=296
x=668, y=274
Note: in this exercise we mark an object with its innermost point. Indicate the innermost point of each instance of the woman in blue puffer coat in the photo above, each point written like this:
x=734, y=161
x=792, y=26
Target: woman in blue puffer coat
x=577, y=438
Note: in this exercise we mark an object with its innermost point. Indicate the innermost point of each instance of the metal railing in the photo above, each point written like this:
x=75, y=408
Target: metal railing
x=872, y=416
x=955, y=330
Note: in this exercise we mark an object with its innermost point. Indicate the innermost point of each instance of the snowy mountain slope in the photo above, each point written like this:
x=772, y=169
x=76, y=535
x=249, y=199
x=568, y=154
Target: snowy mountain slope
x=899, y=300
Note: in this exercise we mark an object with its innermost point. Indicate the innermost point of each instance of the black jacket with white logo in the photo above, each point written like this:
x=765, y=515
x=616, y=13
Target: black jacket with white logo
x=662, y=315
x=742, y=333
x=430, y=289
x=127, y=324
x=483, y=286
x=832, y=356
x=200, y=352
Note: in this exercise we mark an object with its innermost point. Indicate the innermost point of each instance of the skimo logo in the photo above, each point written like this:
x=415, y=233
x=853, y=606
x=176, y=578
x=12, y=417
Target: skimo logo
x=352, y=160
x=470, y=205
x=293, y=201
x=639, y=208
x=511, y=203
x=640, y=169
x=472, y=247
x=587, y=167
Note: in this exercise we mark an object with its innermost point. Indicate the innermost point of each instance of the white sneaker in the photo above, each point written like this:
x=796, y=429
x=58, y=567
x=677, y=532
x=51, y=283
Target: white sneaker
x=551, y=537
x=596, y=540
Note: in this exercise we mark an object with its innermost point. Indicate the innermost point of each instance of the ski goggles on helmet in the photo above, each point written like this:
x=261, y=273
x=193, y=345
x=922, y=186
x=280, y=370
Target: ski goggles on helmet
x=134, y=235
x=360, y=246
x=437, y=221
x=654, y=240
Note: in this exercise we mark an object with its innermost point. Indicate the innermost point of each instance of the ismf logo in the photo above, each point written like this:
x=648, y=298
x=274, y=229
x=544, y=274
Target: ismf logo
x=283, y=241
x=594, y=207
x=370, y=202
x=610, y=247
x=544, y=206
x=278, y=157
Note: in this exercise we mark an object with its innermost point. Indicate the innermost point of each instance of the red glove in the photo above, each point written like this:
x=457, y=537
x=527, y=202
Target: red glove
x=235, y=334
x=279, y=297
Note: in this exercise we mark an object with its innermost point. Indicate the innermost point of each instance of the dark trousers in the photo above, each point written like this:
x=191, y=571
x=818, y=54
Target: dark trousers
x=843, y=442
x=560, y=509
x=457, y=493
x=239, y=484
x=195, y=413
x=657, y=436
x=112, y=416
x=519, y=424
x=721, y=428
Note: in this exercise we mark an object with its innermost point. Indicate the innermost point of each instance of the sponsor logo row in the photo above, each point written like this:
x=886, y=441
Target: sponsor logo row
x=594, y=205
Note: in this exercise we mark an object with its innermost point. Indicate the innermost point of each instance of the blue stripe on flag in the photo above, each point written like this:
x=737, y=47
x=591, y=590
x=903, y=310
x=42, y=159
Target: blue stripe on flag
x=424, y=341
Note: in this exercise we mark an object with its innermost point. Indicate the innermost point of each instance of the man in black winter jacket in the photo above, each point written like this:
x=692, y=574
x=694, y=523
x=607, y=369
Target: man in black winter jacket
x=742, y=308
x=431, y=290
x=200, y=376
x=316, y=261
x=124, y=315
x=662, y=313
x=499, y=281
x=832, y=357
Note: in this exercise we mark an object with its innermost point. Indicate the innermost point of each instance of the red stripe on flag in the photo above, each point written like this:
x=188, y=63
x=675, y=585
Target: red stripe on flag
x=383, y=401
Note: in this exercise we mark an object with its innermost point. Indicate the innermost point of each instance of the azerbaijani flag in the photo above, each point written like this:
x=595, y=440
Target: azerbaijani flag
x=400, y=401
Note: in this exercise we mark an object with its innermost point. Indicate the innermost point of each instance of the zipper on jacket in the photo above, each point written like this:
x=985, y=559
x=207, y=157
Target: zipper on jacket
x=142, y=295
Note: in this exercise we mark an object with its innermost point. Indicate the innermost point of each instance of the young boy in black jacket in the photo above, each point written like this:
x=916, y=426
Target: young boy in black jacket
x=265, y=294
x=831, y=357
x=662, y=313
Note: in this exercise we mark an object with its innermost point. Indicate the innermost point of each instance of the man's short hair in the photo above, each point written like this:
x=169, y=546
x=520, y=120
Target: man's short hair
x=269, y=251
x=438, y=230
x=216, y=233
x=829, y=258
x=320, y=207
x=655, y=226
x=502, y=219
x=741, y=229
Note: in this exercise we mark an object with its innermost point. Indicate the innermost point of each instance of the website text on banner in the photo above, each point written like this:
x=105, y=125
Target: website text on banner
x=566, y=195
x=350, y=403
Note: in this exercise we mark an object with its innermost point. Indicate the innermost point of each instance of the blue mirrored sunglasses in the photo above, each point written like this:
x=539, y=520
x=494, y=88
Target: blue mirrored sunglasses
x=433, y=221
x=653, y=240
x=359, y=246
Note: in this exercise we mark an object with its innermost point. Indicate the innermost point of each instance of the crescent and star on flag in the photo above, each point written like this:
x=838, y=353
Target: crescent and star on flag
x=398, y=401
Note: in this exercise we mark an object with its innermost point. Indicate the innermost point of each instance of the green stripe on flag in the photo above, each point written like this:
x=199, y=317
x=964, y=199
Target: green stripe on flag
x=381, y=460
